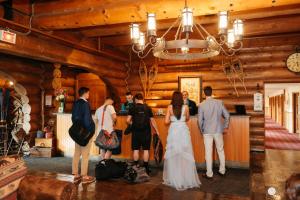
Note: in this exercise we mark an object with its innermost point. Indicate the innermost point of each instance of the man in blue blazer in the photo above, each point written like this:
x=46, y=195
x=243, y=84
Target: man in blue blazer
x=210, y=114
x=81, y=112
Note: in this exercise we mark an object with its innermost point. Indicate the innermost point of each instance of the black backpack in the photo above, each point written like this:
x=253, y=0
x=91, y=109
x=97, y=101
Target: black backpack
x=140, y=118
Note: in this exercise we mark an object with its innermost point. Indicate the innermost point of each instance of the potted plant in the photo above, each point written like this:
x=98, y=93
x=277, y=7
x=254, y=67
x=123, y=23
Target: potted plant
x=61, y=96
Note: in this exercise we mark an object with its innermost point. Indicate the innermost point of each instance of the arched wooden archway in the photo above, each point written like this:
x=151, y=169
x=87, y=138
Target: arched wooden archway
x=22, y=109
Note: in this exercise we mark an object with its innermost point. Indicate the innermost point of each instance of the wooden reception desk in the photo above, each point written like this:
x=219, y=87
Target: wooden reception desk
x=236, y=140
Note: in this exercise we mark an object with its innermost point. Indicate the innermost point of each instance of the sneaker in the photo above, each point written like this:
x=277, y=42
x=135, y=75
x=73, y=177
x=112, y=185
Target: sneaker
x=88, y=179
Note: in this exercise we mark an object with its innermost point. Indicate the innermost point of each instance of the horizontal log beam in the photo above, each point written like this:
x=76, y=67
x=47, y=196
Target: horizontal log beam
x=75, y=14
x=252, y=28
x=14, y=64
x=41, y=49
x=69, y=43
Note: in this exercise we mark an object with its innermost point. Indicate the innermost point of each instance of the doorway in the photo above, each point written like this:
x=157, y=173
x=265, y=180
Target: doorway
x=296, y=112
x=282, y=116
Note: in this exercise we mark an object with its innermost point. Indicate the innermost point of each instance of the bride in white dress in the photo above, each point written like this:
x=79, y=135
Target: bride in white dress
x=179, y=165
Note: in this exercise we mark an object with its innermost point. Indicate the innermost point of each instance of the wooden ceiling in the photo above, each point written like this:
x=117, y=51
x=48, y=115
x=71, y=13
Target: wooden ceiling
x=89, y=13
x=106, y=22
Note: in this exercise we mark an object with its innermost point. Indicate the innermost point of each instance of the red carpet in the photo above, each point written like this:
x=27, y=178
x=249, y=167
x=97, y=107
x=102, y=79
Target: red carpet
x=278, y=137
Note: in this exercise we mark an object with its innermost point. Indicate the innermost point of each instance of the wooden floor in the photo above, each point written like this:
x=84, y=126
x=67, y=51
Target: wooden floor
x=120, y=190
x=272, y=169
x=269, y=169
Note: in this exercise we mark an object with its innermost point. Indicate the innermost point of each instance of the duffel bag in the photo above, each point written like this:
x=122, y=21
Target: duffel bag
x=109, y=168
x=134, y=174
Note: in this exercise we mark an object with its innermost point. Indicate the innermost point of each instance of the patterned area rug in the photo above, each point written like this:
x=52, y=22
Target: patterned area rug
x=278, y=137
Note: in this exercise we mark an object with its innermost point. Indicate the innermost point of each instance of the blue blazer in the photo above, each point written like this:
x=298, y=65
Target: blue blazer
x=82, y=112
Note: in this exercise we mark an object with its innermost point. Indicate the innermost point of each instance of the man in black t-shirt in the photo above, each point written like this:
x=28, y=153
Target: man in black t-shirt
x=141, y=118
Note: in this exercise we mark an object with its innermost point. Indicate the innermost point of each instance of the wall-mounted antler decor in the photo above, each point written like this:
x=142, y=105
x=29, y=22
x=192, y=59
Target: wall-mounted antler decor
x=239, y=72
x=230, y=76
x=143, y=72
x=129, y=67
x=147, y=77
x=233, y=69
x=152, y=76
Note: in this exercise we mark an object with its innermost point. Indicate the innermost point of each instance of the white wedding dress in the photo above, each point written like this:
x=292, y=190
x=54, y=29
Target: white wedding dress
x=179, y=165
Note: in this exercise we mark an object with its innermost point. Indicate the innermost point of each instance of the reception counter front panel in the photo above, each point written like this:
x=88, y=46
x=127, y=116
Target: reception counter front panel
x=236, y=140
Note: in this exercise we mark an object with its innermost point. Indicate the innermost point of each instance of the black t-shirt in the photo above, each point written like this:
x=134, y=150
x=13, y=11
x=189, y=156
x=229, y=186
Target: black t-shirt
x=148, y=112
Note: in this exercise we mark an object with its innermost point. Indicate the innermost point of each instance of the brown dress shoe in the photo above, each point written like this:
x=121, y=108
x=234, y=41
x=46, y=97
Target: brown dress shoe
x=207, y=177
x=88, y=179
x=76, y=179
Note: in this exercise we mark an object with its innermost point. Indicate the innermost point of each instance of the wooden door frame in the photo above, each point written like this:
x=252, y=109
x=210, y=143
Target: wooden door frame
x=276, y=82
x=294, y=101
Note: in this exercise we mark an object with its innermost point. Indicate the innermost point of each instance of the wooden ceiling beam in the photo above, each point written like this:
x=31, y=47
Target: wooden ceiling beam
x=252, y=28
x=76, y=14
x=41, y=48
x=119, y=29
x=25, y=29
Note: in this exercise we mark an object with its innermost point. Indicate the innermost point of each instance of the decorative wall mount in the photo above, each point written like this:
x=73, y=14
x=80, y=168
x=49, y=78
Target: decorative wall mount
x=147, y=77
x=233, y=69
x=21, y=113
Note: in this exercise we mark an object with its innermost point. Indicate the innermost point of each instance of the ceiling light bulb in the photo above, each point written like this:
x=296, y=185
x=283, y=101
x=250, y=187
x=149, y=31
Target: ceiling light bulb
x=141, y=43
x=238, y=29
x=185, y=49
x=135, y=33
x=151, y=24
x=223, y=22
x=230, y=38
x=187, y=19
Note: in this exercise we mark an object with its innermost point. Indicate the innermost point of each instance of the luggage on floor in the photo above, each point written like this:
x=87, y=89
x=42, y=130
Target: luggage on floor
x=118, y=150
x=109, y=168
x=134, y=174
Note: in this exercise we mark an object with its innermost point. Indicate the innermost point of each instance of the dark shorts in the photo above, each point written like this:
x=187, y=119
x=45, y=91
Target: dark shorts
x=141, y=139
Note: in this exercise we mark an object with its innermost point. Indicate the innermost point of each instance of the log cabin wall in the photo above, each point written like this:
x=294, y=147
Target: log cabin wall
x=263, y=61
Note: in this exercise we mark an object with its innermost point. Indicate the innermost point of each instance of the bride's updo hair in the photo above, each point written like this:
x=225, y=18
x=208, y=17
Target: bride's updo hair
x=177, y=102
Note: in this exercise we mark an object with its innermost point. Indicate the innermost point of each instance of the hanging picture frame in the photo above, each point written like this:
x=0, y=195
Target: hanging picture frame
x=193, y=85
x=48, y=100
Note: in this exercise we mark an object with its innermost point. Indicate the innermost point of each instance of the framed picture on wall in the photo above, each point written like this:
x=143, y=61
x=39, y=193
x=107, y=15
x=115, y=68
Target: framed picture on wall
x=48, y=100
x=193, y=85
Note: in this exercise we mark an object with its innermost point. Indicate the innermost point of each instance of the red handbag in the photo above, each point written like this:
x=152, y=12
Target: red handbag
x=106, y=140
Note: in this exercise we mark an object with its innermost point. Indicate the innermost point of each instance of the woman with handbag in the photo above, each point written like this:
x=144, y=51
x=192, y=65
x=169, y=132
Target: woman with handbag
x=81, y=113
x=105, y=120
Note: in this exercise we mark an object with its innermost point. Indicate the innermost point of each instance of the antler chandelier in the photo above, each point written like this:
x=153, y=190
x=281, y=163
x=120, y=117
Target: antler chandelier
x=183, y=46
